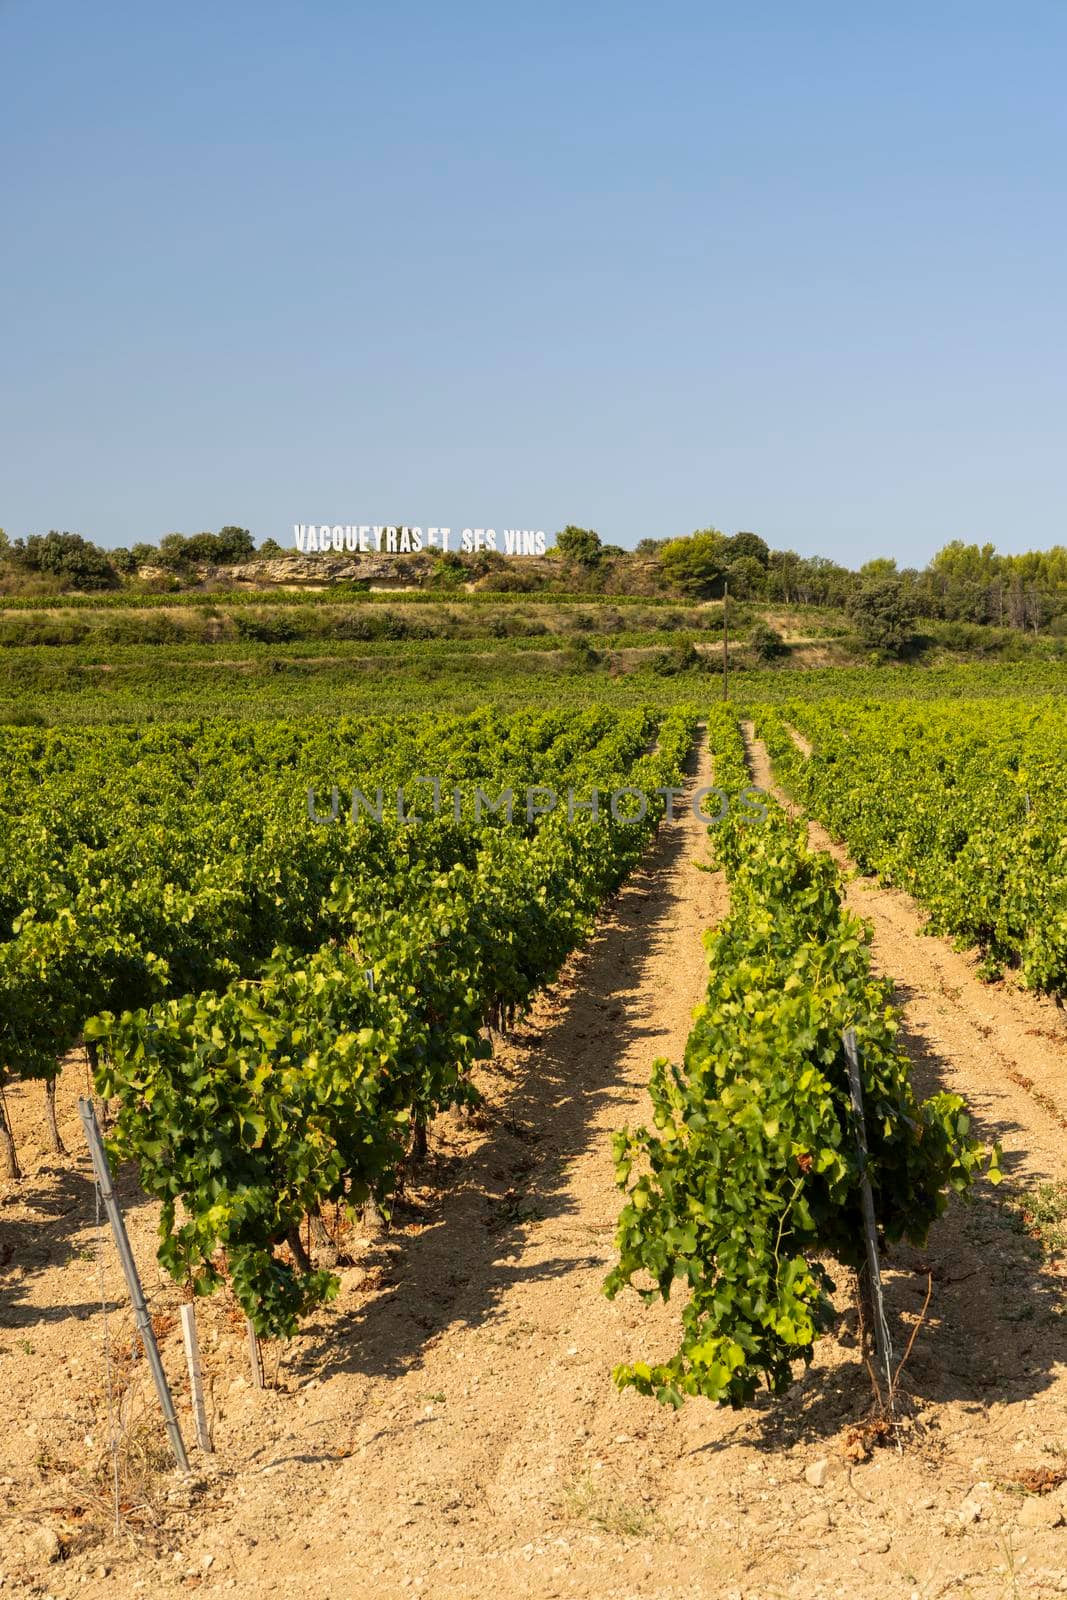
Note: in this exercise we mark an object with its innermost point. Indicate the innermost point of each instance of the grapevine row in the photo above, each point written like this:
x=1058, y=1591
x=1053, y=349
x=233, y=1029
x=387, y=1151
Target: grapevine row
x=964, y=806
x=248, y=1108
x=750, y=1172
x=123, y=884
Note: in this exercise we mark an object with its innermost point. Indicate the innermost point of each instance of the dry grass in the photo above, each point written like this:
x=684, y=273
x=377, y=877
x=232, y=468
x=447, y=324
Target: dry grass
x=602, y=1505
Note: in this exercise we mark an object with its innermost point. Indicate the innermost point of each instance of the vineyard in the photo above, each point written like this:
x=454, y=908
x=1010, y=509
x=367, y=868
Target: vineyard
x=59, y=685
x=963, y=806
x=533, y=1026
x=754, y=1171
x=408, y=1077
x=279, y=1006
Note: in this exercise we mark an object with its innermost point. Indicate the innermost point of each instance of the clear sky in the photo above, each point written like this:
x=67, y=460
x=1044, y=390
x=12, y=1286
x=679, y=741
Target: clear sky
x=795, y=268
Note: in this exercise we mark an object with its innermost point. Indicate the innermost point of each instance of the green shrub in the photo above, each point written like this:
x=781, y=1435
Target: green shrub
x=766, y=643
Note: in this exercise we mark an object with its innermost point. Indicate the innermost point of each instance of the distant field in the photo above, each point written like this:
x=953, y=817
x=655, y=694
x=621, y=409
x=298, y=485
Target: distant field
x=138, y=683
x=327, y=595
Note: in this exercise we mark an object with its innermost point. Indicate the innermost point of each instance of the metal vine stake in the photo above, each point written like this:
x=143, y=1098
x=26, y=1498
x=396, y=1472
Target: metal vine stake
x=87, y=1112
x=882, y=1345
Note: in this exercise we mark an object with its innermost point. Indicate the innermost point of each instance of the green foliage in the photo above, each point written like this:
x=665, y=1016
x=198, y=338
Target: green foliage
x=227, y=548
x=269, y=629
x=697, y=565
x=966, y=582
x=579, y=655
x=580, y=545
x=682, y=657
x=749, y=546
x=883, y=613
x=1042, y=1212
x=199, y=547
x=173, y=552
x=751, y=1173
x=68, y=557
x=963, y=805
x=1026, y=593
x=766, y=643
x=233, y=545
x=226, y=1111
x=250, y=681
x=165, y=895
x=746, y=577
x=811, y=580
x=510, y=581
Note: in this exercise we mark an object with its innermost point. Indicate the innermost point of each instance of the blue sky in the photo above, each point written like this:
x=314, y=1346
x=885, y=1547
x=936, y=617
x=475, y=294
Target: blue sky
x=799, y=269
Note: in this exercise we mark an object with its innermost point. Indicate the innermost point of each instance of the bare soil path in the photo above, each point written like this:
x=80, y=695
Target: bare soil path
x=449, y=1426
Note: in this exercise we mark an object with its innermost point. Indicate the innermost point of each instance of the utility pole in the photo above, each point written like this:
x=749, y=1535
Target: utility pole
x=725, y=641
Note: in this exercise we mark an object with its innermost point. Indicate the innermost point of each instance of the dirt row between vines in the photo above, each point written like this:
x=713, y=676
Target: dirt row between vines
x=449, y=1426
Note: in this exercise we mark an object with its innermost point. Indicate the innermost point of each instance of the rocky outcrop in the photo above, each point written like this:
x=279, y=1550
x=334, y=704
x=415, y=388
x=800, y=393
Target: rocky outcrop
x=326, y=569
x=486, y=571
x=310, y=571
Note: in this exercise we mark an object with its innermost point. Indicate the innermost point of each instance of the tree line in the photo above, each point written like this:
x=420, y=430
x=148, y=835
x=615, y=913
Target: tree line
x=77, y=563
x=964, y=583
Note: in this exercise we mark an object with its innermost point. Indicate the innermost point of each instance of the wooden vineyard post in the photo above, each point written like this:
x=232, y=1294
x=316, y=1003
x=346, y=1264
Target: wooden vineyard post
x=10, y=1161
x=880, y=1327
x=133, y=1282
x=255, y=1355
x=58, y=1148
x=196, y=1381
x=725, y=641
